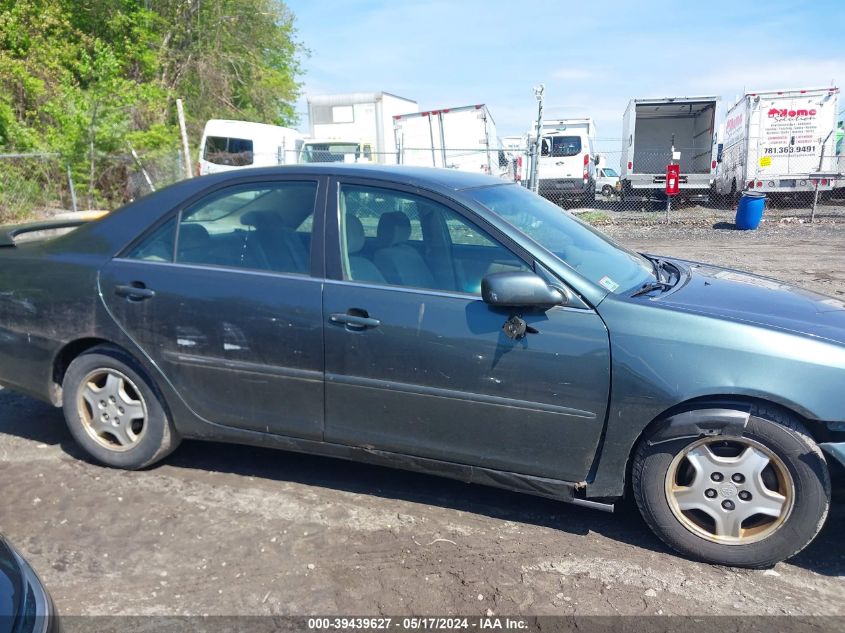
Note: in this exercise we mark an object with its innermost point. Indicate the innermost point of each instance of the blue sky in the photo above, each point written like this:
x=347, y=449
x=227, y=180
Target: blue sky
x=592, y=56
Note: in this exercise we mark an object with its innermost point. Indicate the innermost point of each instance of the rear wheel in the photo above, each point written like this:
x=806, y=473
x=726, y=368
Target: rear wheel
x=749, y=500
x=113, y=411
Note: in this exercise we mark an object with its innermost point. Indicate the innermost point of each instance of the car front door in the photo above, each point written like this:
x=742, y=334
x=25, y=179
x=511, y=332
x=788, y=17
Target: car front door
x=225, y=298
x=417, y=363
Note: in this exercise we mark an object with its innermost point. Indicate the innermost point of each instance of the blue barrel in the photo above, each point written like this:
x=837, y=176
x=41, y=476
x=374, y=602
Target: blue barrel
x=750, y=210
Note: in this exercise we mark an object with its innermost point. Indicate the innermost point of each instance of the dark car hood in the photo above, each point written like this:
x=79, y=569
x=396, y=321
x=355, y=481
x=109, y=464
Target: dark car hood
x=11, y=587
x=735, y=295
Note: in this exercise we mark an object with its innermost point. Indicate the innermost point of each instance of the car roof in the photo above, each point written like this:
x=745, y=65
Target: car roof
x=424, y=177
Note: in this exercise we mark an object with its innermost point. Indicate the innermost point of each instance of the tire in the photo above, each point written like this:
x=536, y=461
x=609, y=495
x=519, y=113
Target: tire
x=607, y=191
x=796, y=471
x=99, y=387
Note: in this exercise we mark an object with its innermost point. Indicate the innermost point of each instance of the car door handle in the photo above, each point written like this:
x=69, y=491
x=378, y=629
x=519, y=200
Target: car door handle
x=353, y=320
x=135, y=291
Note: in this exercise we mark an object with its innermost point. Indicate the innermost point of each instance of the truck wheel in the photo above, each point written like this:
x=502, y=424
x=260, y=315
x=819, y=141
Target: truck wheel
x=113, y=411
x=607, y=191
x=749, y=500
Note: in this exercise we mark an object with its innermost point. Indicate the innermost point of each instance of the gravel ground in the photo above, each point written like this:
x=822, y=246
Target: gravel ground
x=786, y=246
x=220, y=529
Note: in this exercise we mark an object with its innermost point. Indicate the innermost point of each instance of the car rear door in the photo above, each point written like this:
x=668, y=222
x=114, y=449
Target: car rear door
x=417, y=363
x=224, y=297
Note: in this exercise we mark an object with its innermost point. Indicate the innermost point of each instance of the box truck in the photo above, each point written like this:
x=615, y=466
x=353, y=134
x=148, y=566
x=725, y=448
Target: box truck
x=655, y=130
x=360, y=124
x=775, y=141
x=461, y=138
x=566, y=167
x=227, y=145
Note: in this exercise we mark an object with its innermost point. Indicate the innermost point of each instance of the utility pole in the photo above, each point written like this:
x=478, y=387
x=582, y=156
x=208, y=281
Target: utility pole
x=535, y=153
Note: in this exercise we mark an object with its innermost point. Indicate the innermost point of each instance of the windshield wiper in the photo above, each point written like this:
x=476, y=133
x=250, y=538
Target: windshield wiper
x=657, y=264
x=651, y=286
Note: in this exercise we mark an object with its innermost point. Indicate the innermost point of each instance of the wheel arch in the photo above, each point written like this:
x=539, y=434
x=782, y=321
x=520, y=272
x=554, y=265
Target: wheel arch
x=817, y=429
x=66, y=355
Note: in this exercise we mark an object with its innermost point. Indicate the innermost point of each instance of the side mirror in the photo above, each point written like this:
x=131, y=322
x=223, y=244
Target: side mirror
x=519, y=290
x=596, y=159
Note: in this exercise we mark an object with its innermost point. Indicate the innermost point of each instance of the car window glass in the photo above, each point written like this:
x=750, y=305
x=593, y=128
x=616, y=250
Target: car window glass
x=586, y=250
x=221, y=150
x=158, y=245
x=566, y=145
x=401, y=239
x=262, y=227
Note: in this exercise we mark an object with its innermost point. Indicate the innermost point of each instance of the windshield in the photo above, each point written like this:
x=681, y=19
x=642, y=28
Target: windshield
x=579, y=245
x=610, y=173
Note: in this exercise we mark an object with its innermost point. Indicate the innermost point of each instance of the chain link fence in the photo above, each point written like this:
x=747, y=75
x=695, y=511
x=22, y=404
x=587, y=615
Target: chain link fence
x=41, y=185
x=31, y=185
x=604, y=185
x=608, y=182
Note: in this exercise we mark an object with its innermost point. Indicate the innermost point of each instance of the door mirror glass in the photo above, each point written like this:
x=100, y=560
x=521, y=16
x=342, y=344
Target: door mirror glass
x=596, y=159
x=519, y=290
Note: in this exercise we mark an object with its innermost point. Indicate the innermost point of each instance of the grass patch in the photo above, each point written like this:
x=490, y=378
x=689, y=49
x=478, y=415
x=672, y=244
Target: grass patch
x=594, y=217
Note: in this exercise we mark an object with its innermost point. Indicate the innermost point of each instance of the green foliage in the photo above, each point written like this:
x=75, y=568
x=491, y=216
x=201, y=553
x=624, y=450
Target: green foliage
x=83, y=77
x=596, y=218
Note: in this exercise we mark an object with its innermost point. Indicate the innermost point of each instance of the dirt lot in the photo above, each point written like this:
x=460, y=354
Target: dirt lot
x=225, y=529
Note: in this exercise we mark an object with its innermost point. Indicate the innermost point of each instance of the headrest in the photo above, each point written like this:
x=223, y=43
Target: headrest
x=260, y=217
x=193, y=236
x=354, y=234
x=394, y=228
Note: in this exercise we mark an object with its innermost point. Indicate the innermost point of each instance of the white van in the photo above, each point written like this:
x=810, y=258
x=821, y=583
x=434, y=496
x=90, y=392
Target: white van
x=566, y=169
x=230, y=145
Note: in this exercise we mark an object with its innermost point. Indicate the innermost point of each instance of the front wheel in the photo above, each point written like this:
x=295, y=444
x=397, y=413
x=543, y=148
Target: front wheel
x=748, y=500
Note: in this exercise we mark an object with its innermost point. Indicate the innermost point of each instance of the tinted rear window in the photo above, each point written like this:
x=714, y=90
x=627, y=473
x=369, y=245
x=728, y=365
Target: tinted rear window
x=566, y=145
x=222, y=150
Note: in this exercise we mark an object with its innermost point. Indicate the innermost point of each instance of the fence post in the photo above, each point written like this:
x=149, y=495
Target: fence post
x=72, y=189
x=187, y=150
x=818, y=177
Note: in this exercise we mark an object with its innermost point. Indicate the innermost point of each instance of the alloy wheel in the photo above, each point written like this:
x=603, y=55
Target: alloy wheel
x=112, y=409
x=731, y=492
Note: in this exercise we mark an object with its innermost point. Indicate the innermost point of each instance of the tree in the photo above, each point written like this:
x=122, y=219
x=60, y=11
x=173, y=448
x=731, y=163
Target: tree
x=83, y=77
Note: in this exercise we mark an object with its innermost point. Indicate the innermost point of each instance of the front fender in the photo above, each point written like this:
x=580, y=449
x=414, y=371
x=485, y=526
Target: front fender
x=661, y=359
